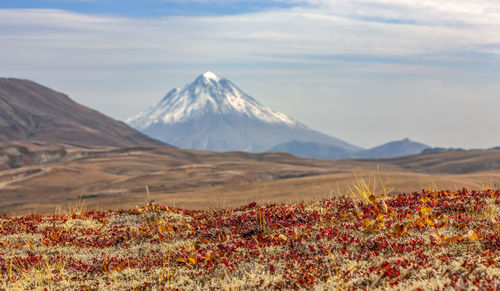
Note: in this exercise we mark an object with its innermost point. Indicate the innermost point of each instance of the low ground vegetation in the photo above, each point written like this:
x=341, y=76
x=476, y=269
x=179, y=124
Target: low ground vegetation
x=428, y=240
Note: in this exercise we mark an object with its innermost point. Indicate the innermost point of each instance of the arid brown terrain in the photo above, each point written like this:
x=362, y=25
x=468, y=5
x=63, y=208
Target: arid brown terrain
x=38, y=177
x=30, y=111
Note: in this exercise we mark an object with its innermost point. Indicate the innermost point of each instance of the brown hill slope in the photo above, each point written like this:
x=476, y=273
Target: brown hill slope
x=30, y=111
x=460, y=162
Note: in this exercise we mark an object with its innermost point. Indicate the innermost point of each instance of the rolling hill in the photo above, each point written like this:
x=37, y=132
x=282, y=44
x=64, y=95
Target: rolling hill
x=116, y=177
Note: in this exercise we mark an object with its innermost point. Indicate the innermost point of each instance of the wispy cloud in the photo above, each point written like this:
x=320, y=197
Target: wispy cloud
x=298, y=32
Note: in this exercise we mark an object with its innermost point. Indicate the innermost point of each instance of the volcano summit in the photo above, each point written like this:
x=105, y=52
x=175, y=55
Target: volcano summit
x=213, y=114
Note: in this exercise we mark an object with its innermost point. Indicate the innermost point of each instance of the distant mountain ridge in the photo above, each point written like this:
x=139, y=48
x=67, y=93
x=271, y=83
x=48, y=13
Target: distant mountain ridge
x=312, y=150
x=444, y=150
x=32, y=112
x=392, y=149
x=213, y=114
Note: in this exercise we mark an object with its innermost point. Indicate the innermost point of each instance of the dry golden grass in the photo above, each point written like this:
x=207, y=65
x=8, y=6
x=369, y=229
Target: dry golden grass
x=112, y=178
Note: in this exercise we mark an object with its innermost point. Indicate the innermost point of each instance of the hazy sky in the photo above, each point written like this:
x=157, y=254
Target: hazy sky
x=366, y=71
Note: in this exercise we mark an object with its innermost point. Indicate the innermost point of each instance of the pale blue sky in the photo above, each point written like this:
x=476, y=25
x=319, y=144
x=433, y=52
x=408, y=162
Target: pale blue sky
x=366, y=71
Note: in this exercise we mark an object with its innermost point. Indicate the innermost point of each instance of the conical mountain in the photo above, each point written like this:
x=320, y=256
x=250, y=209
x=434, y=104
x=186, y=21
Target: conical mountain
x=212, y=113
x=32, y=112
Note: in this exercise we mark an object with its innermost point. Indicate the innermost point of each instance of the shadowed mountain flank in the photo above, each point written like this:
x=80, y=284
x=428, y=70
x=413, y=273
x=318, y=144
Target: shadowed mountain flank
x=30, y=111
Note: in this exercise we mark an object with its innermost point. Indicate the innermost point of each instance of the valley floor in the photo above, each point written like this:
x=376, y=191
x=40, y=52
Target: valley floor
x=110, y=178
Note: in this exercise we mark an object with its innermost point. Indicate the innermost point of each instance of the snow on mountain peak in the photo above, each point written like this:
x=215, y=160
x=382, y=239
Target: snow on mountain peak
x=210, y=76
x=208, y=94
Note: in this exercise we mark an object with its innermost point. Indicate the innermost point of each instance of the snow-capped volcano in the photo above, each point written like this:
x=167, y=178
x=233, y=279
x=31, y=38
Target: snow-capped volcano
x=208, y=93
x=213, y=114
